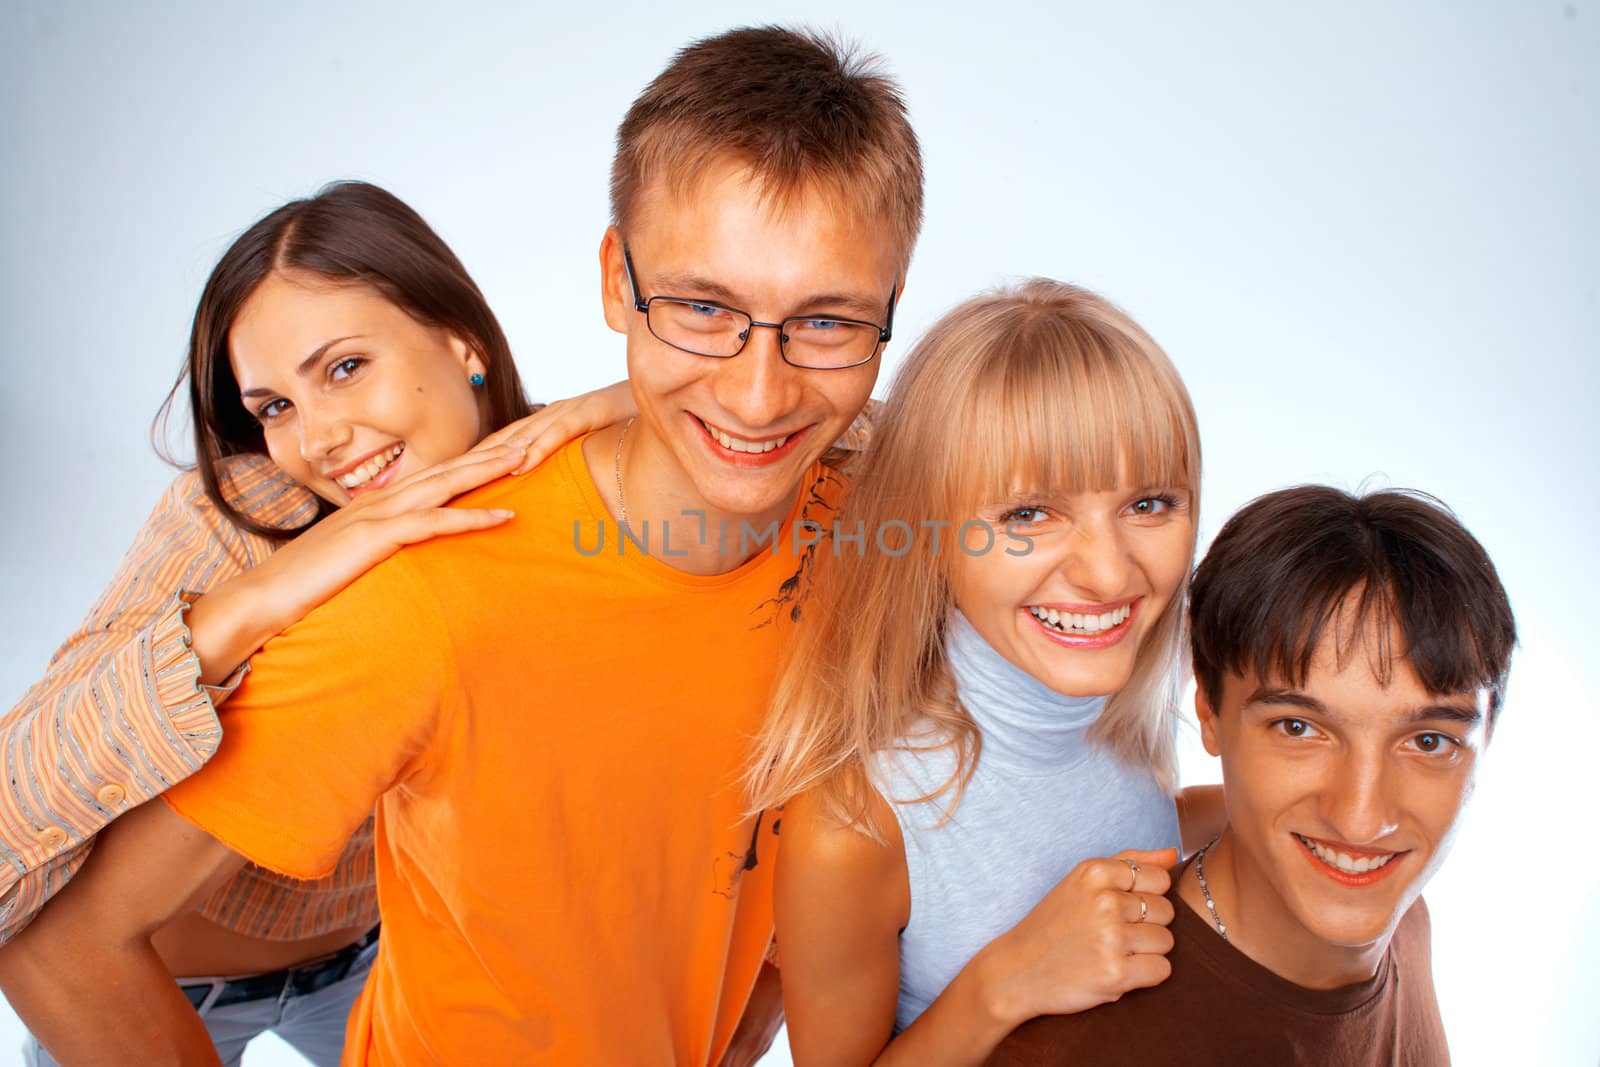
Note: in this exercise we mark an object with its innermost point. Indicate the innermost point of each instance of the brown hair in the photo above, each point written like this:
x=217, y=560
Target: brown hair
x=1292, y=564
x=800, y=108
x=1044, y=383
x=350, y=232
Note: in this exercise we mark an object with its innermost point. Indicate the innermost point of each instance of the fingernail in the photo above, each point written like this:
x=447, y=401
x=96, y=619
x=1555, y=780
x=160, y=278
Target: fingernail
x=502, y=513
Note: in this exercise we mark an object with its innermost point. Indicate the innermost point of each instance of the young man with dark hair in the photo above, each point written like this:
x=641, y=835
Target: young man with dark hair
x=1351, y=655
x=551, y=734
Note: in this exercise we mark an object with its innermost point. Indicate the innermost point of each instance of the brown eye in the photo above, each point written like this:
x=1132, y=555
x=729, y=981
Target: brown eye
x=1294, y=728
x=344, y=368
x=1024, y=515
x=1433, y=744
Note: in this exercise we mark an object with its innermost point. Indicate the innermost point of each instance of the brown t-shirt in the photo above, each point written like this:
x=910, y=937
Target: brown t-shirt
x=1222, y=1007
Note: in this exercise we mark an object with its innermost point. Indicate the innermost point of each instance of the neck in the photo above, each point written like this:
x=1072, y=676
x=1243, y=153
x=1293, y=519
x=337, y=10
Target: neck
x=1263, y=928
x=666, y=516
x=1025, y=724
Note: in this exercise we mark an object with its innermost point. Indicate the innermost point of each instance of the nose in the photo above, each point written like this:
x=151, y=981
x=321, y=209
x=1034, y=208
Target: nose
x=322, y=433
x=757, y=387
x=1097, y=564
x=1356, y=802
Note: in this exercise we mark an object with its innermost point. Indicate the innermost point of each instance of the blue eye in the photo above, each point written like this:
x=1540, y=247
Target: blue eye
x=709, y=311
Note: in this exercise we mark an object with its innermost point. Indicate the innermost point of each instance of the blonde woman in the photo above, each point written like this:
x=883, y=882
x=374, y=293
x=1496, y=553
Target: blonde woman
x=979, y=710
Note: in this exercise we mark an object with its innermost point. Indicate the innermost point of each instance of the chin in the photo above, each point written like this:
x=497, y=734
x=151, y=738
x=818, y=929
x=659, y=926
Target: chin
x=1353, y=930
x=749, y=492
x=1354, y=921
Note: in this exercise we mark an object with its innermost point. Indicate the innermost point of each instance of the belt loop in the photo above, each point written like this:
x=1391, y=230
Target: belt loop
x=216, y=986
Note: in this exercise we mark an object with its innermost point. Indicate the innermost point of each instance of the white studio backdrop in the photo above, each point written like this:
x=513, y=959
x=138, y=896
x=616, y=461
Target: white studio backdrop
x=1366, y=233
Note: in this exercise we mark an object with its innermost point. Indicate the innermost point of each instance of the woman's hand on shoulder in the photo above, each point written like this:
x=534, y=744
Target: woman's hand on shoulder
x=1100, y=932
x=231, y=621
x=540, y=434
x=841, y=898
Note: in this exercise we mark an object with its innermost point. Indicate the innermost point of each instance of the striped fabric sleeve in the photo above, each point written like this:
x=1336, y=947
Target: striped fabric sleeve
x=120, y=713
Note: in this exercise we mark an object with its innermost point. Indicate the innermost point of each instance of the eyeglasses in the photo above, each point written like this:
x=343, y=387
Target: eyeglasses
x=707, y=328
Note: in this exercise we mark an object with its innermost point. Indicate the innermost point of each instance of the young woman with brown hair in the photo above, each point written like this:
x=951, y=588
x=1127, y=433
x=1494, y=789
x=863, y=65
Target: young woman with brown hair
x=347, y=379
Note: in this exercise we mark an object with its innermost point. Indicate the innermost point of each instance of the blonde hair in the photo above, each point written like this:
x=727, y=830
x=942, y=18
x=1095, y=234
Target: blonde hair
x=1044, y=382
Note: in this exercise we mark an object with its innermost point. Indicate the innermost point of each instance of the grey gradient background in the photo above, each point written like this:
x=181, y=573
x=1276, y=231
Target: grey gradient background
x=1365, y=233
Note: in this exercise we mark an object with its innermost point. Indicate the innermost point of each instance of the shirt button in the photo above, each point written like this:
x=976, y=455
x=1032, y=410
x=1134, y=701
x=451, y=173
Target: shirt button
x=112, y=796
x=52, y=837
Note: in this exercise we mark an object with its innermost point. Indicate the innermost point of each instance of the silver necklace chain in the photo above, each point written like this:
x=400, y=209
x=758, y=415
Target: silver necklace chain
x=1205, y=890
x=622, y=501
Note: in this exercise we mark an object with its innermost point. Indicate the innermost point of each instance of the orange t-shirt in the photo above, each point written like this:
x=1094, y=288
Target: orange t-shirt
x=552, y=740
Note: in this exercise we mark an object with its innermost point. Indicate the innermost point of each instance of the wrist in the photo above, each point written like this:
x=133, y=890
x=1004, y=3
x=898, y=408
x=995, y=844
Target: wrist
x=229, y=623
x=991, y=993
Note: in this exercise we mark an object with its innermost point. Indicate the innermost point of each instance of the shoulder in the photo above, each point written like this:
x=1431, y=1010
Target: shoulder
x=824, y=840
x=559, y=481
x=839, y=871
x=256, y=487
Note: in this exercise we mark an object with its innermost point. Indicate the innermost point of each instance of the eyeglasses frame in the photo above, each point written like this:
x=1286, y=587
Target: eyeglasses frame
x=885, y=330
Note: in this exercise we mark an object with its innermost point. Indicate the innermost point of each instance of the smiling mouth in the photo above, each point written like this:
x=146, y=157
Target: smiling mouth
x=1082, y=624
x=1355, y=868
x=739, y=444
x=370, y=469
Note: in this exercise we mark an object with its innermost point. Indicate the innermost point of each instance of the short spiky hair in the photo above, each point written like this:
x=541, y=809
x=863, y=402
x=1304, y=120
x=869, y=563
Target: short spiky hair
x=1300, y=563
x=800, y=108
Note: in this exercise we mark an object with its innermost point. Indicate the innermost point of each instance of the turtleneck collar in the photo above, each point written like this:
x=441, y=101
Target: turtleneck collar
x=1026, y=725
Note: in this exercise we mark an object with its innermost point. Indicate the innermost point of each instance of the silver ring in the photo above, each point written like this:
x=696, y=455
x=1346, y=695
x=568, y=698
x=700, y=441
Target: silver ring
x=1134, y=867
x=1144, y=909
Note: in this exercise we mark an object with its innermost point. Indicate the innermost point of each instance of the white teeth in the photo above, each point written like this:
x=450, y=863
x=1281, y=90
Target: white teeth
x=737, y=444
x=1344, y=861
x=371, y=468
x=1079, y=622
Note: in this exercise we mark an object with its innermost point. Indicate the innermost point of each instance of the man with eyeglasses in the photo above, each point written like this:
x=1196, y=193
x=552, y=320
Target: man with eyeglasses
x=551, y=737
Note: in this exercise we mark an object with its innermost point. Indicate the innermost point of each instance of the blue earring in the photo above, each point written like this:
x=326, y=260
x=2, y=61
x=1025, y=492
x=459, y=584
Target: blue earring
x=475, y=378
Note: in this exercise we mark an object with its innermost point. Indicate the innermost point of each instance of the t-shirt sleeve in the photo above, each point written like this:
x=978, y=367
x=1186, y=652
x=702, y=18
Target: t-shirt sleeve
x=335, y=711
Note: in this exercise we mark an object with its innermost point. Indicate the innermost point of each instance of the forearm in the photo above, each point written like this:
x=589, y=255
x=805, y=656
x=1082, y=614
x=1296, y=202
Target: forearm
x=139, y=1015
x=91, y=948
x=962, y=1026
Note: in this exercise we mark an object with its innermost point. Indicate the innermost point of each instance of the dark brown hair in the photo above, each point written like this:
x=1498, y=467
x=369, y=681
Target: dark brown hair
x=350, y=232
x=800, y=108
x=1292, y=564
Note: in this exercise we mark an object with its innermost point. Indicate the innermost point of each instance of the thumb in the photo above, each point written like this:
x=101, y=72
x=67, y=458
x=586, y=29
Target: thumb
x=1161, y=857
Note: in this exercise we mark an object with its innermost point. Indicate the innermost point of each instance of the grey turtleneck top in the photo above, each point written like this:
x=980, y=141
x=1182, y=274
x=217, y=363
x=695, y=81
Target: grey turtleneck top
x=1042, y=799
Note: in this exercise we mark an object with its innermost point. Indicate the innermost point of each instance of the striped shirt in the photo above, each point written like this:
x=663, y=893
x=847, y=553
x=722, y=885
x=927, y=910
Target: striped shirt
x=120, y=715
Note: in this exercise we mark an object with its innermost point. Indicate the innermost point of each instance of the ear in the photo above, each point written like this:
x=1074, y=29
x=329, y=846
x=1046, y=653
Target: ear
x=616, y=294
x=471, y=361
x=1208, y=721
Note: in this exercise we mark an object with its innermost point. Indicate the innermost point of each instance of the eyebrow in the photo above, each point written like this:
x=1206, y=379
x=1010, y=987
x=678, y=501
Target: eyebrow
x=1280, y=695
x=673, y=285
x=305, y=367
